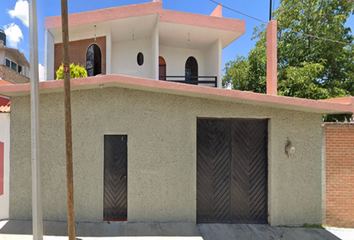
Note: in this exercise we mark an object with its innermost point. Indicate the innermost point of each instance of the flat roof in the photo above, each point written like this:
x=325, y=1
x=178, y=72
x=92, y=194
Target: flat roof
x=345, y=105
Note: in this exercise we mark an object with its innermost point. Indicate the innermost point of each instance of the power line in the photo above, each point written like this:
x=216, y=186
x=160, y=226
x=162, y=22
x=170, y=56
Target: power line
x=308, y=35
x=238, y=11
x=322, y=38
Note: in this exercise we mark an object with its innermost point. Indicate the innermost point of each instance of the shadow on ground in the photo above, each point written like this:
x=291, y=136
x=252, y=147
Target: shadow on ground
x=183, y=230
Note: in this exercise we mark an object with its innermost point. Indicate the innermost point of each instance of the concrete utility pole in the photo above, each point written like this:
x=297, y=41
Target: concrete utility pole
x=37, y=215
x=68, y=133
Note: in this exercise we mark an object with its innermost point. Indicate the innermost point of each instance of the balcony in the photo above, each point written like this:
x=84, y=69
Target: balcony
x=210, y=81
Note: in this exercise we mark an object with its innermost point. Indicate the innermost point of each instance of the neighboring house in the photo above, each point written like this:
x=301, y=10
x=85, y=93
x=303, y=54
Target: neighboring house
x=4, y=161
x=156, y=151
x=340, y=174
x=14, y=67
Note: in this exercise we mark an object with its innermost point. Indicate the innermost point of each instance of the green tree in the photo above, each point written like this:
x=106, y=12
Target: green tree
x=309, y=65
x=76, y=71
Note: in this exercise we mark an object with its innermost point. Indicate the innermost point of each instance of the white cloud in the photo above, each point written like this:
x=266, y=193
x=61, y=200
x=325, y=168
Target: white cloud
x=41, y=72
x=20, y=11
x=13, y=34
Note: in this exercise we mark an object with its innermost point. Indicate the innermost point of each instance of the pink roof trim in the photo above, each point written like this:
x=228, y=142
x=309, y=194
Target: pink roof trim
x=185, y=89
x=345, y=100
x=105, y=14
x=198, y=20
x=148, y=9
x=217, y=11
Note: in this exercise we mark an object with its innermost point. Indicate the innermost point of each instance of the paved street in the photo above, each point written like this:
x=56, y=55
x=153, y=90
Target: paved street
x=11, y=230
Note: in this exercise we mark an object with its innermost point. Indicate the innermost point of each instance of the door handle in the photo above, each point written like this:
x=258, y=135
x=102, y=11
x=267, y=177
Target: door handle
x=124, y=176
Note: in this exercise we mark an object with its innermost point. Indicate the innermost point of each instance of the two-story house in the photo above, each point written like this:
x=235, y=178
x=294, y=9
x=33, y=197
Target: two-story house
x=146, y=149
x=145, y=40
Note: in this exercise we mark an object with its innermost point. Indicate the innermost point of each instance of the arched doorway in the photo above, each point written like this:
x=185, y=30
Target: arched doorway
x=191, y=70
x=93, y=60
x=162, y=69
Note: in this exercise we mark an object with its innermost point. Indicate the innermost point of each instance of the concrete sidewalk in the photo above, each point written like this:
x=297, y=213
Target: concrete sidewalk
x=10, y=230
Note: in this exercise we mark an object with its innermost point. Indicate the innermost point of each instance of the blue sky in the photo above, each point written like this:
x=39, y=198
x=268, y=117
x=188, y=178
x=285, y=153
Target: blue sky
x=12, y=11
x=13, y=18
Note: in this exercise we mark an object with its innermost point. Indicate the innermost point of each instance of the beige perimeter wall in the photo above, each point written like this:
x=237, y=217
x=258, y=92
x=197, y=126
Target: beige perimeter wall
x=161, y=131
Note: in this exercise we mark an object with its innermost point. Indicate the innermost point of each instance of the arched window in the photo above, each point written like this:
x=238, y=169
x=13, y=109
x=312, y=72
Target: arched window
x=191, y=70
x=162, y=69
x=93, y=60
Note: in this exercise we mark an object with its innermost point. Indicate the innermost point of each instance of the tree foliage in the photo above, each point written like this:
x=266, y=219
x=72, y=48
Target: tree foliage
x=315, y=52
x=76, y=71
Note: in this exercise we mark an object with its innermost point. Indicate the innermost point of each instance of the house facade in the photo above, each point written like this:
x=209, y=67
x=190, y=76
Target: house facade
x=145, y=40
x=217, y=155
x=147, y=149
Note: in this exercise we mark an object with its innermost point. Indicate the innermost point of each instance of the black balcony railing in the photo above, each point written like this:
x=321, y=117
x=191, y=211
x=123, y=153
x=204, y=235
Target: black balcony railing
x=196, y=80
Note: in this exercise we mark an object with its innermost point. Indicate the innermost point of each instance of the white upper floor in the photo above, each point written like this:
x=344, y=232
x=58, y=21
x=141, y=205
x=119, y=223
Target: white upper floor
x=144, y=40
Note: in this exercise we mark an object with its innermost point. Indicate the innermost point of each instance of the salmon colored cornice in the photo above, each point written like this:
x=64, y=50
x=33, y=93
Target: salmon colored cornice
x=105, y=14
x=198, y=20
x=144, y=84
x=150, y=8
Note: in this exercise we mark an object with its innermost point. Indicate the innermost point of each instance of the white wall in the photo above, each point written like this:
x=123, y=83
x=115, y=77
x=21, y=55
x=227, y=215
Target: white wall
x=155, y=54
x=213, y=61
x=108, y=53
x=49, y=56
x=124, y=58
x=176, y=60
x=5, y=138
x=2, y=56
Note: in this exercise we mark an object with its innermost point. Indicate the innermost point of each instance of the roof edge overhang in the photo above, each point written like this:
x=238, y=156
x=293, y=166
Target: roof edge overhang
x=243, y=97
x=106, y=14
x=199, y=20
x=21, y=57
x=135, y=10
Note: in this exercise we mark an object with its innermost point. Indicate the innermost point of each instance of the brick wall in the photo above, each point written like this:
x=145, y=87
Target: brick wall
x=78, y=52
x=12, y=76
x=340, y=174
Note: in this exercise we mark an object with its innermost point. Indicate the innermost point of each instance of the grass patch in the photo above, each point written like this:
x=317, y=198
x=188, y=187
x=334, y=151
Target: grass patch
x=308, y=225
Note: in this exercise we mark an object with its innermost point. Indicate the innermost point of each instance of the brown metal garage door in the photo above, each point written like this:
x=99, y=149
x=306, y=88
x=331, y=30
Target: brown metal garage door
x=232, y=170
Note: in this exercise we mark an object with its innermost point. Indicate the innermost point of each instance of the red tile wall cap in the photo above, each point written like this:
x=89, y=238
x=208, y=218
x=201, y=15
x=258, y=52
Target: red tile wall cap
x=105, y=14
x=5, y=109
x=144, y=84
x=3, y=82
x=135, y=10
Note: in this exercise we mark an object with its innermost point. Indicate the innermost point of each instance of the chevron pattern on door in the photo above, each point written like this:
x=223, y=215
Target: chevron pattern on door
x=232, y=170
x=249, y=171
x=115, y=177
x=213, y=167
